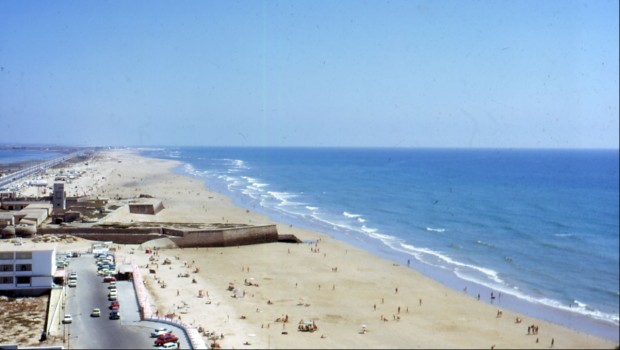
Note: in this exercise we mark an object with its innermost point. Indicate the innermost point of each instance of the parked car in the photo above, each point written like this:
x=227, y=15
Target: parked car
x=114, y=305
x=165, y=338
x=160, y=331
x=112, y=285
x=109, y=278
x=115, y=315
x=112, y=295
x=72, y=283
x=73, y=275
x=96, y=312
x=171, y=345
x=67, y=319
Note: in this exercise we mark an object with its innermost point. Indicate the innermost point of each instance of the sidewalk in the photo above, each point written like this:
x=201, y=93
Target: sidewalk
x=54, y=311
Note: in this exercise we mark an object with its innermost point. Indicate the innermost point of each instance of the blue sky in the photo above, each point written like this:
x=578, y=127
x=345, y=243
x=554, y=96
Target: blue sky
x=535, y=74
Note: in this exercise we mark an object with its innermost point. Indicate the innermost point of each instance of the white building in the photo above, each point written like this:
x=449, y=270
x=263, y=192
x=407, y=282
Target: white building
x=27, y=268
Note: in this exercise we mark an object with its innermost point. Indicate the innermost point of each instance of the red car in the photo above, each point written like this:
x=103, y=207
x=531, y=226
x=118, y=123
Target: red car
x=114, y=306
x=165, y=338
x=109, y=279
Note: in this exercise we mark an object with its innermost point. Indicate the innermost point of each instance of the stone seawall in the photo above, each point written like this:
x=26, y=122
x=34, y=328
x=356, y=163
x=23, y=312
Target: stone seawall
x=183, y=238
x=228, y=237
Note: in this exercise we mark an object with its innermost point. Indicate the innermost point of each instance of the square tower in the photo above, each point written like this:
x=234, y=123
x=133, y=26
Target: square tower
x=59, y=197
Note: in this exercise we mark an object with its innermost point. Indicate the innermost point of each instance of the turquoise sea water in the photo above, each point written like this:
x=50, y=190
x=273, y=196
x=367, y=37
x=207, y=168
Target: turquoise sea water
x=538, y=228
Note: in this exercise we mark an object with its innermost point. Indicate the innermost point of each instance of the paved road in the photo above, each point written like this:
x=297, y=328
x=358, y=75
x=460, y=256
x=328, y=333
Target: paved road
x=88, y=332
x=20, y=174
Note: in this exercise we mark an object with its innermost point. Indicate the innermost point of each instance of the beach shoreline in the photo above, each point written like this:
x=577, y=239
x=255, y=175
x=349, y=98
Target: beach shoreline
x=356, y=299
x=339, y=301
x=531, y=308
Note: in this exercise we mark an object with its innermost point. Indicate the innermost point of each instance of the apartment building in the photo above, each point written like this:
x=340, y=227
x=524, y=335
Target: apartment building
x=27, y=268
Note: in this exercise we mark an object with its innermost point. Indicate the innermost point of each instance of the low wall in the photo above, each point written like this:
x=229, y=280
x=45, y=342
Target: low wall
x=54, y=309
x=228, y=237
x=183, y=238
x=116, y=235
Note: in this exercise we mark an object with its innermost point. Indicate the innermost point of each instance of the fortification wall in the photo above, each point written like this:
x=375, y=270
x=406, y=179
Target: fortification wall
x=183, y=238
x=116, y=235
x=228, y=237
x=173, y=232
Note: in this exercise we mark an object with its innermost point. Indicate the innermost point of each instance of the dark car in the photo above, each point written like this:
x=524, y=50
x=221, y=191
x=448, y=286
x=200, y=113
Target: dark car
x=165, y=338
x=115, y=315
x=109, y=279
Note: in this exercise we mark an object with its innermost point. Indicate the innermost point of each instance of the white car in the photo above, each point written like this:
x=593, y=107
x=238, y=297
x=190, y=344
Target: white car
x=170, y=345
x=72, y=283
x=159, y=331
x=112, y=295
x=73, y=275
x=96, y=312
x=67, y=319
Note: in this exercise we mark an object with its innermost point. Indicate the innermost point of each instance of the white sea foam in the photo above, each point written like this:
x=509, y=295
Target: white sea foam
x=351, y=216
x=564, y=234
x=235, y=163
x=368, y=230
x=435, y=229
x=361, y=220
x=192, y=171
x=488, y=273
x=580, y=304
x=284, y=198
x=312, y=208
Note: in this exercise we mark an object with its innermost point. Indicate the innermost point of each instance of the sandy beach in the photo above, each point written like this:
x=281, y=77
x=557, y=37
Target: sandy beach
x=355, y=299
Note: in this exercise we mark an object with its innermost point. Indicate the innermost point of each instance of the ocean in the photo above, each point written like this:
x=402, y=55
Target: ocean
x=9, y=156
x=538, y=228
